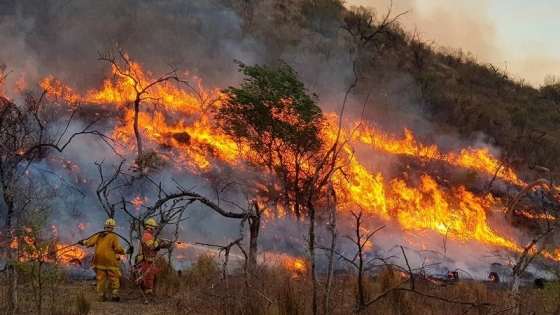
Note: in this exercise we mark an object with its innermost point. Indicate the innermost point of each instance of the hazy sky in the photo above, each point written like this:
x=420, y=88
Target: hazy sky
x=522, y=36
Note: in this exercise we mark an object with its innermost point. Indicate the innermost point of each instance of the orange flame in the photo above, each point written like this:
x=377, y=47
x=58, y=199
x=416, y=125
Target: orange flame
x=184, y=132
x=59, y=253
x=297, y=266
x=476, y=159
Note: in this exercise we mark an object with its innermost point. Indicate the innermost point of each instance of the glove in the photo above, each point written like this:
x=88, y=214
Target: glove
x=130, y=250
x=82, y=242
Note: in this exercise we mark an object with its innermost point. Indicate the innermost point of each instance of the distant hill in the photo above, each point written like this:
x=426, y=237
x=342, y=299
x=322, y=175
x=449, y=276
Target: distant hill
x=402, y=79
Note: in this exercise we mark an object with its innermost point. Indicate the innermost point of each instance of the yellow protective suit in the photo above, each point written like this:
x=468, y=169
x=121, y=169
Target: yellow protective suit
x=105, y=262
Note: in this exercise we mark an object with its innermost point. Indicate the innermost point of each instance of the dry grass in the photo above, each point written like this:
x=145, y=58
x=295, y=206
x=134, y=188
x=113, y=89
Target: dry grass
x=274, y=291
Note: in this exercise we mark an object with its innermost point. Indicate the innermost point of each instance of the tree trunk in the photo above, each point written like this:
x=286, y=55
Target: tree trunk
x=11, y=270
x=312, y=258
x=516, y=305
x=12, y=274
x=330, y=264
x=254, y=227
x=135, y=126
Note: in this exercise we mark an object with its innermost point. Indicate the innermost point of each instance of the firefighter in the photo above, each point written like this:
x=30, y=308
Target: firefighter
x=146, y=258
x=105, y=262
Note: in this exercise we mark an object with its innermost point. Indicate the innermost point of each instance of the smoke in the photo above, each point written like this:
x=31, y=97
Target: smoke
x=202, y=38
x=455, y=24
x=513, y=38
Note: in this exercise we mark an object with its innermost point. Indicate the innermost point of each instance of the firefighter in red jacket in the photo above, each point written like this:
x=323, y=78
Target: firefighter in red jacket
x=146, y=258
x=105, y=262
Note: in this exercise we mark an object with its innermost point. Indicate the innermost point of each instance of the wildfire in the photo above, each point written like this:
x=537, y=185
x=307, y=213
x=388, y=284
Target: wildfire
x=476, y=159
x=182, y=127
x=71, y=255
x=138, y=201
x=31, y=249
x=297, y=266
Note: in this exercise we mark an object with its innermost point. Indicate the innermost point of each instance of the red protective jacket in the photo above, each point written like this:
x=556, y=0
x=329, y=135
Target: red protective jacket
x=149, y=247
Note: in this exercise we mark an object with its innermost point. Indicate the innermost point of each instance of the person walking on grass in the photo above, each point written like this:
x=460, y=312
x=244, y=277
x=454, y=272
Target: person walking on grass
x=105, y=261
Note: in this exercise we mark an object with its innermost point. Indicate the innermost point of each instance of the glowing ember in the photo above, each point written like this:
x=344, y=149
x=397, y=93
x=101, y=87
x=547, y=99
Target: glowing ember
x=81, y=226
x=182, y=245
x=138, y=201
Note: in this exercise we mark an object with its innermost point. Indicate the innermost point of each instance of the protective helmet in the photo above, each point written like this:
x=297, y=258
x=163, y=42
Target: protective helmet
x=150, y=223
x=110, y=223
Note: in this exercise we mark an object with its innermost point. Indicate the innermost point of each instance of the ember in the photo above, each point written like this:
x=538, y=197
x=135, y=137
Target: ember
x=453, y=275
x=494, y=277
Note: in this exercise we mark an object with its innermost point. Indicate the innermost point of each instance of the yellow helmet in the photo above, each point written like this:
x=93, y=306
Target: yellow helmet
x=110, y=223
x=151, y=223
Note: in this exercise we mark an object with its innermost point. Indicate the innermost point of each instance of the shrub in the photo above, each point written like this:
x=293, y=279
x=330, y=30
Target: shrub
x=549, y=295
x=167, y=279
x=203, y=270
x=83, y=305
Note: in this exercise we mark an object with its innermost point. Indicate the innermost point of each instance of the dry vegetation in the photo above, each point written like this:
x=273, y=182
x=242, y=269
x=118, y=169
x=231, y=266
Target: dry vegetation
x=200, y=289
x=460, y=96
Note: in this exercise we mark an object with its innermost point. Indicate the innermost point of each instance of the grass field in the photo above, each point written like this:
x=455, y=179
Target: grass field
x=201, y=289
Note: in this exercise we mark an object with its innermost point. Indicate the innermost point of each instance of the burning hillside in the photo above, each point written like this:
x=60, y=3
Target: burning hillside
x=418, y=187
x=178, y=124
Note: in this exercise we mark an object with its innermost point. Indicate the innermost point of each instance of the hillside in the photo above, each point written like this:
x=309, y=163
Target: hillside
x=398, y=71
x=404, y=167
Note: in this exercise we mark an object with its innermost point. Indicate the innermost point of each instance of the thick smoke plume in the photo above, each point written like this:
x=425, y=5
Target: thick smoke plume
x=201, y=39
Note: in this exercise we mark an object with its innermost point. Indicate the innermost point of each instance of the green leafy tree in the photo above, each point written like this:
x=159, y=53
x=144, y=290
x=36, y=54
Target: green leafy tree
x=274, y=115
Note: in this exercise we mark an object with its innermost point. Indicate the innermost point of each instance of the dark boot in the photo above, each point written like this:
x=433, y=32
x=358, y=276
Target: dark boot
x=149, y=298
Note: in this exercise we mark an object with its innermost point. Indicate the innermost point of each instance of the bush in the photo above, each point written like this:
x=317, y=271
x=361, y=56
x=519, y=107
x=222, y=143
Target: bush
x=549, y=296
x=83, y=305
x=204, y=270
x=167, y=280
x=148, y=163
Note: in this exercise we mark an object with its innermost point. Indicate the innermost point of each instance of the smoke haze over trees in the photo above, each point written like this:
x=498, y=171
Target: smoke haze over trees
x=401, y=83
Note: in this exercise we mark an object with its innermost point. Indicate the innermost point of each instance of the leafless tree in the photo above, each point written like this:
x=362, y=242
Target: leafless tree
x=362, y=24
x=24, y=140
x=169, y=209
x=419, y=49
x=359, y=261
x=123, y=66
x=106, y=186
x=537, y=246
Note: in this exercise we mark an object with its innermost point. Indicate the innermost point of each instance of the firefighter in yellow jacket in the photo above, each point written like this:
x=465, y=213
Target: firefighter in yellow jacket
x=105, y=262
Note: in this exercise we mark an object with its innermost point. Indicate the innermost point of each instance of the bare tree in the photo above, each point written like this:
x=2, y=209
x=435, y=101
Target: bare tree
x=169, y=209
x=170, y=206
x=535, y=248
x=25, y=140
x=363, y=25
x=359, y=259
x=142, y=89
